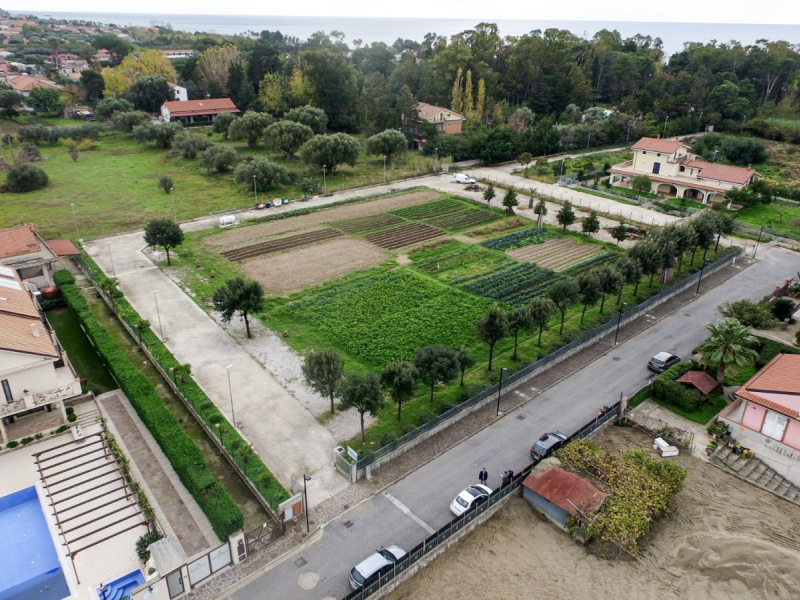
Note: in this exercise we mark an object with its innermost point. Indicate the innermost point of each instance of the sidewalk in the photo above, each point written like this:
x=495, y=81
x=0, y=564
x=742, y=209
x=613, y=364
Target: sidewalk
x=177, y=512
x=285, y=435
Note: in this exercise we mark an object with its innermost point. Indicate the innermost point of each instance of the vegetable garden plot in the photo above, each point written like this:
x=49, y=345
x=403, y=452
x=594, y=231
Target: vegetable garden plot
x=406, y=235
x=366, y=223
x=465, y=218
x=292, y=241
x=508, y=282
x=455, y=261
x=558, y=254
x=387, y=317
x=520, y=239
x=429, y=209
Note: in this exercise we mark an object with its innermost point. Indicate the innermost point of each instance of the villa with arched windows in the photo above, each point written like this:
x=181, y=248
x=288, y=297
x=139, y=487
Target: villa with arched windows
x=676, y=173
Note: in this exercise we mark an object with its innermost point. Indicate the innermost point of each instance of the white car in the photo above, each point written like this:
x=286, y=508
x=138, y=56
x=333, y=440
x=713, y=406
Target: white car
x=471, y=495
x=376, y=563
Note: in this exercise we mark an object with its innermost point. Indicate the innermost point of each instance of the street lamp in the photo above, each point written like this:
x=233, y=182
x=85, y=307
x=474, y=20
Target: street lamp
x=324, y=181
x=230, y=392
x=255, y=189
x=435, y=159
x=758, y=241
x=110, y=258
x=306, y=478
x=174, y=211
x=500, y=387
x=158, y=312
x=384, y=168
x=75, y=219
x=621, y=309
x=219, y=432
x=699, y=279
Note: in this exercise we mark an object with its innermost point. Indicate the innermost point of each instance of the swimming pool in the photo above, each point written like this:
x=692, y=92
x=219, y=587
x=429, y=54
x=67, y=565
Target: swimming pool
x=122, y=587
x=31, y=569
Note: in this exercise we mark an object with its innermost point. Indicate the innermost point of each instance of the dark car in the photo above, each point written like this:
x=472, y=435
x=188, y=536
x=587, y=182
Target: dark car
x=546, y=444
x=663, y=361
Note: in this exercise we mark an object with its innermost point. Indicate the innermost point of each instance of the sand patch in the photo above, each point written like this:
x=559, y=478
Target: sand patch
x=304, y=267
x=325, y=215
x=722, y=539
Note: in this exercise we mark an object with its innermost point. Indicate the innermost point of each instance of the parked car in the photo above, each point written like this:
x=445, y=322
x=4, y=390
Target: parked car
x=549, y=442
x=663, y=361
x=376, y=563
x=471, y=495
x=463, y=178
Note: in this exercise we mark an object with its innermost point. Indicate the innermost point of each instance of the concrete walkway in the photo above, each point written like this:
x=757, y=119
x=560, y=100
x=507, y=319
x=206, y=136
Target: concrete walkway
x=286, y=436
x=176, y=510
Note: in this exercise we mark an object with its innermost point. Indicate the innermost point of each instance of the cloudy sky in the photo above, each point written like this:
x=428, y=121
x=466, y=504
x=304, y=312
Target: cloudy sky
x=699, y=11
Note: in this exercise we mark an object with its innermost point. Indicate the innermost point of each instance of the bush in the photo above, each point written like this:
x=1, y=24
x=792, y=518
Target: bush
x=12, y=444
x=783, y=308
x=144, y=542
x=749, y=313
x=190, y=145
x=388, y=438
x=425, y=416
x=26, y=440
x=26, y=178
x=770, y=349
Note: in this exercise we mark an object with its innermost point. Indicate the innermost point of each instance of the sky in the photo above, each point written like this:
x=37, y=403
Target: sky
x=698, y=11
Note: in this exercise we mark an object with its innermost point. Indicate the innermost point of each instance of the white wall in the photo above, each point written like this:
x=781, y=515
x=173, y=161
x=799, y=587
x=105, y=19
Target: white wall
x=27, y=372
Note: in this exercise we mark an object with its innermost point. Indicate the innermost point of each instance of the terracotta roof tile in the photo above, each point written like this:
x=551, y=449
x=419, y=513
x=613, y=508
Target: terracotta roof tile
x=704, y=382
x=18, y=240
x=565, y=489
x=210, y=106
x=719, y=172
x=21, y=328
x=63, y=247
x=781, y=375
x=657, y=145
x=428, y=111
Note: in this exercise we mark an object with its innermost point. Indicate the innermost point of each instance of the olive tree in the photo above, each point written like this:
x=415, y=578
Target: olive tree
x=387, y=143
x=330, y=151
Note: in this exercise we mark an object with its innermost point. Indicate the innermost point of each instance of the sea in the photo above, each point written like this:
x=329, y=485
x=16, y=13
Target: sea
x=673, y=35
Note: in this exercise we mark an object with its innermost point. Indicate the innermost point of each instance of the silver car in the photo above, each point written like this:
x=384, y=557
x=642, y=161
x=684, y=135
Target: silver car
x=472, y=494
x=374, y=564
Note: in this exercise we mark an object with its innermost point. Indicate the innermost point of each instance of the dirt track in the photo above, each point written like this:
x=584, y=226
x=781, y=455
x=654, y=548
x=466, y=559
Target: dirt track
x=724, y=539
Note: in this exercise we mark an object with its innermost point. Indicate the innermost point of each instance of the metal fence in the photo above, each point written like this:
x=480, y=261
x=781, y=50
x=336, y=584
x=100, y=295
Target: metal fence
x=548, y=361
x=767, y=232
x=460, y=523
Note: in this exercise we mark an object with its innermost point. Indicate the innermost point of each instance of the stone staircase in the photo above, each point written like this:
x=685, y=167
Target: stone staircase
x=87, y=415
x=758, y=473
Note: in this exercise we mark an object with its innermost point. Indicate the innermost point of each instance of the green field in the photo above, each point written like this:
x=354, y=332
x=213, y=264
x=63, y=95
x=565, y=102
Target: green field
x=773, y=216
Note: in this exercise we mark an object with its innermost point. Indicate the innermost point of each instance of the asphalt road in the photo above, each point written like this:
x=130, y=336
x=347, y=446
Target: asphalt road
x=409, y=510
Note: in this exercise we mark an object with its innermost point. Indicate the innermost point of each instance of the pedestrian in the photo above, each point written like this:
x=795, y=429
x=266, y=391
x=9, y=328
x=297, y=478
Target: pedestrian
x=510, y=475
x=483, y=476
x=504, y=480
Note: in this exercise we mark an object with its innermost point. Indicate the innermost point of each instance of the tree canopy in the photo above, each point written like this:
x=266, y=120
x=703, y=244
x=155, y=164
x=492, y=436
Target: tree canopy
x=239, y=296
x=323, y=369
x=165, y=233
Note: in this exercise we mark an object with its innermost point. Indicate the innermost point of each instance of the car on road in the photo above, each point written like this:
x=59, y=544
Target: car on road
x=463, y=178
x=548, y=443
x=474, y=493
x=376, y=563
x=663, y=361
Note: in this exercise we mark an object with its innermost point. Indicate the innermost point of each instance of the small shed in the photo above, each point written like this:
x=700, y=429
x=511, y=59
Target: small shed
x=699, y=380
x=560, y=494
x=63, y=247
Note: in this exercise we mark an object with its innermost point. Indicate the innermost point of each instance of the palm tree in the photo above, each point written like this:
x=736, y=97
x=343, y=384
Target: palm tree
x=729, y=346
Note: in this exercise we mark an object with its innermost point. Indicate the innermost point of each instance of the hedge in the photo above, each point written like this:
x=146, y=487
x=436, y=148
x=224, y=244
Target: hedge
x=181, y=451
x=255, y=469
x=770, y=349
x=666, y=388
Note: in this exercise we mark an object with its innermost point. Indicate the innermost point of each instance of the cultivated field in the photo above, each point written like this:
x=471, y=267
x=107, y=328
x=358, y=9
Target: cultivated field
x=306, y=267
x=557, y=254
x=405, y=235
x=285, y=243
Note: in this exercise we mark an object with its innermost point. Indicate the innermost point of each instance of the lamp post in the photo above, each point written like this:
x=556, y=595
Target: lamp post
x=174, y=211
x=699, y=279
x=619, y=320
x=500, y=387
x=219, y=432
x=110, y=258
x=255, y=189
x=324, y=181
x=435, y=159
x=75, y=219
x=384, y=168
x=158, y=312
x=230, y=392
x=306, y=478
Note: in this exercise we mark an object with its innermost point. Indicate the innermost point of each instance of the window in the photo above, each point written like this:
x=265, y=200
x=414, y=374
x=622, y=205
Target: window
x=656, y=168
x=7, y=391
x=644, y=152
x=682, y=168
x=774, y=425
x=658, y=154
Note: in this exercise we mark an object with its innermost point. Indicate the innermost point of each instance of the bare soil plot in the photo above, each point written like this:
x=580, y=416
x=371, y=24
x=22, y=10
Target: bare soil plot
x=406, y=235
x=366, y=223
x=304, y=267
x=723, y=538
x=557, y=254
x=300, y=222
x=463, y=218
x=286, y=243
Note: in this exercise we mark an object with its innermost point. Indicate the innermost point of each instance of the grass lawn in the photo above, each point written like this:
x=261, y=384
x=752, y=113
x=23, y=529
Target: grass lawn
x=676, y=202
x=84, y=358
x=599, y=194
x=115, y=188
x=624, y=190
x=707, y=411
x=774, y=216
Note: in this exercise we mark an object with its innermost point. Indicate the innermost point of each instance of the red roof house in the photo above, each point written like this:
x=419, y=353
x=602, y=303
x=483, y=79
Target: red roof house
x=191, y=111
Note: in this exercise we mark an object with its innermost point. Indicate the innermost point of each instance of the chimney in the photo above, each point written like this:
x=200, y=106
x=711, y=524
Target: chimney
x=34, y=330
x=32, y=227
x=749, y=165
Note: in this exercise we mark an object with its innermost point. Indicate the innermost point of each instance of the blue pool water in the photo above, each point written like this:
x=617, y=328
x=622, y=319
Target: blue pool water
x=122, y=587
x=31, y=570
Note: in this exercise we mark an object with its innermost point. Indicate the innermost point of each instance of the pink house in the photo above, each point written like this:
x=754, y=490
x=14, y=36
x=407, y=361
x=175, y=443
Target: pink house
x=766, y=415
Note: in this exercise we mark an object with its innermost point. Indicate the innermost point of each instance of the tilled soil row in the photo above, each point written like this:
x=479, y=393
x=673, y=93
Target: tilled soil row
x=404, y=236
x=293, y=241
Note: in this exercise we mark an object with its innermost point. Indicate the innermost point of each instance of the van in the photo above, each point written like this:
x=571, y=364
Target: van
x=463, y=178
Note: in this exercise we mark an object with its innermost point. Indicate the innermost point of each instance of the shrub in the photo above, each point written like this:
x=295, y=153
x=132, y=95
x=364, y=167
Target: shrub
x=782, y=308
x=26, y=440
x=388, y=438
x=143, y=543
x=12, y=444
x=425, y=416
x=26, y=178
x=190, y=145
x=770, y=349
x=749, y=313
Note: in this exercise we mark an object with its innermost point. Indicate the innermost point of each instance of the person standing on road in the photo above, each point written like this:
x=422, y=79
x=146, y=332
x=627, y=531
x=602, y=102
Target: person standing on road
x=483, y=476
x=504, y=480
